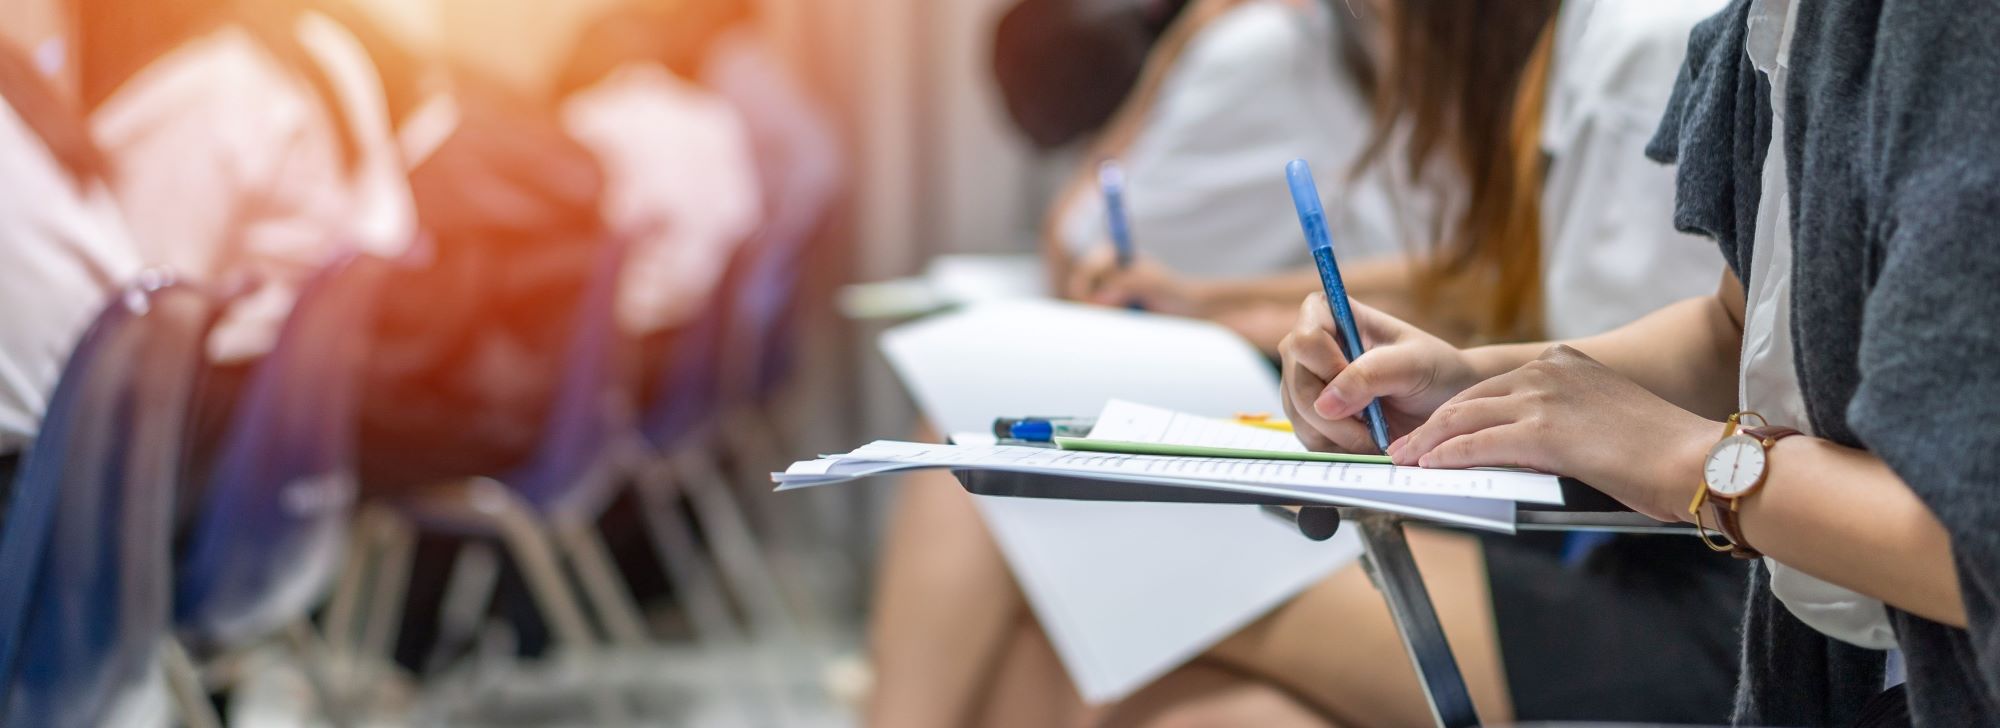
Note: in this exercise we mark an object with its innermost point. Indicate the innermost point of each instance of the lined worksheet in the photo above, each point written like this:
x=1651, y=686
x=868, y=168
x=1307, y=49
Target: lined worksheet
x=1134, y=422
x=1506, y=485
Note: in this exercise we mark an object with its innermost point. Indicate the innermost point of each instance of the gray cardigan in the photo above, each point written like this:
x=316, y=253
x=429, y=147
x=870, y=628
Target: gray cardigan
x=1894, y=165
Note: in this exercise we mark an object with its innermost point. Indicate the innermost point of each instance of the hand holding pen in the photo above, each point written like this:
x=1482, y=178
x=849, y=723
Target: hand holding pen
x=1344, y=360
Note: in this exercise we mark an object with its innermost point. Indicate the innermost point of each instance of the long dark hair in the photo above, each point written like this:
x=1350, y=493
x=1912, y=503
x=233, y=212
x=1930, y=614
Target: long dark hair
x=119, y=38
x=48, y=115
x=1467, y=79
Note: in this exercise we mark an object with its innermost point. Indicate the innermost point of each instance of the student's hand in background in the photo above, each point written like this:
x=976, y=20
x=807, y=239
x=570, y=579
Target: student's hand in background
x=1568, y=414
x=1411, y=371
x=1096, y=278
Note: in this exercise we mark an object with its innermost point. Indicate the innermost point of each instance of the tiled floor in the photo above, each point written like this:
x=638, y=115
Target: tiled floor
x=745, y=685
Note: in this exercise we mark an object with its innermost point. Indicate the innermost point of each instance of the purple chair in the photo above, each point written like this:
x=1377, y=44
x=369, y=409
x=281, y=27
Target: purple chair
x=86, y=545
x=267, y=526
x=266, y=531
x=543, y=513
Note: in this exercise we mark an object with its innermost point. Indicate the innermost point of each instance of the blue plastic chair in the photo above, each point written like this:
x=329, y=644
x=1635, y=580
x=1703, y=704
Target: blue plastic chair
x=266, y=532
x=546, y=510
x=677, y=428
x=85, y=549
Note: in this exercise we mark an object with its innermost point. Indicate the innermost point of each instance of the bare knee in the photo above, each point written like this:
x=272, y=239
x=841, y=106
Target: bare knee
x=1247, y=704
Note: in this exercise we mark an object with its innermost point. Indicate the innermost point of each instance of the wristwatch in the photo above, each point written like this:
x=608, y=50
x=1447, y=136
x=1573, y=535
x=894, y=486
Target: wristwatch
x=1735, y=469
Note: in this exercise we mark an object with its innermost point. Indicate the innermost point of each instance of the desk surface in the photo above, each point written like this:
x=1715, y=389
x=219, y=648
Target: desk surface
x=1584, y=508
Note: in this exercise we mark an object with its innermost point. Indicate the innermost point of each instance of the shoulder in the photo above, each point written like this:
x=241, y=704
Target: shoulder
x=222, y=88
x=1627, y=52
x=1253, y=37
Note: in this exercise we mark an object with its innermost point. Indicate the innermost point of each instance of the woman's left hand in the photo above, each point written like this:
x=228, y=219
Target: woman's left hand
x=1567, y=414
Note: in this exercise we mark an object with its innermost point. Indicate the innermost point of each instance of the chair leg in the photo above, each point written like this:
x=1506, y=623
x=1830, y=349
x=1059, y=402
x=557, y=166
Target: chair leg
x=613, y=604
x=468, y=594
x=735, y=547
x=535, y=553
x=343, y=609
x=311, y=654
x=184, y=683
x=674, y=545
x=397, y=544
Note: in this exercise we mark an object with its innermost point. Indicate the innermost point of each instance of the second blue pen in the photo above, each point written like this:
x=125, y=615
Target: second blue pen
x=1111, y=180
x=1312, y=217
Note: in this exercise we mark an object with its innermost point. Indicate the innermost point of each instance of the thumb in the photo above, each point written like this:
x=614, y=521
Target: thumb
x=1086, y=276
x=1386, y=372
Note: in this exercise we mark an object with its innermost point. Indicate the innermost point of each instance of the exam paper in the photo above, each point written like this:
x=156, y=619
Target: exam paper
x=1134, y=422
x=886, y=456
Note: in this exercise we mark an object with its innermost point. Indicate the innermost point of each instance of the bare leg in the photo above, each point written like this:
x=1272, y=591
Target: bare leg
x=945, y=606
x=1207, y=695
x=1030, y=686
x=1335, y=646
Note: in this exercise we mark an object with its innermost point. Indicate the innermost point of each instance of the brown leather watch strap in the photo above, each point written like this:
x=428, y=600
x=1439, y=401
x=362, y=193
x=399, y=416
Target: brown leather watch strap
x=1770, y=435
x=1723, y=511
x=1723, y=514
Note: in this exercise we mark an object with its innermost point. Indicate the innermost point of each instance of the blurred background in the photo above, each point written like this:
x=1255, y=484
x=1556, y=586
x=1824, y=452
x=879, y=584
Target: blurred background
x=871, y=139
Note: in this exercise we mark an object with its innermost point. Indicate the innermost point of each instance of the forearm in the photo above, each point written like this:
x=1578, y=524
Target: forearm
x=1375, y=281
x=1842, y=515
x=1685, y=353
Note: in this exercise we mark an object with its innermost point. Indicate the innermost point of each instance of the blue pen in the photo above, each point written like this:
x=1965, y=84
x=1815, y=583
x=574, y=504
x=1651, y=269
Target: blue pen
x=1305, y=196
x=1112, y=180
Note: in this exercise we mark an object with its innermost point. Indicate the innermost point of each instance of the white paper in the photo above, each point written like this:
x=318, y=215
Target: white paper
x=1134, y=422
x=888, y=456
x=1125, y=591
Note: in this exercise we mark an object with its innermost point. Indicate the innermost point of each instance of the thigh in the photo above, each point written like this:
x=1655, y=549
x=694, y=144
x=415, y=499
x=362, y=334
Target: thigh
x=1029, y=687
x=1205, y=694
x=1335, y=645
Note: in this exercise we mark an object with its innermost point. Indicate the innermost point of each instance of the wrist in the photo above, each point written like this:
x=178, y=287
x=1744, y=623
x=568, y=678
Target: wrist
x=1205, y=297
x=1680, y=473
x=1487, y=362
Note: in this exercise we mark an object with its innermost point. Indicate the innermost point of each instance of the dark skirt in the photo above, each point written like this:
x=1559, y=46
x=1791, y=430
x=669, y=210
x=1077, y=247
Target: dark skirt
x=1643, y=629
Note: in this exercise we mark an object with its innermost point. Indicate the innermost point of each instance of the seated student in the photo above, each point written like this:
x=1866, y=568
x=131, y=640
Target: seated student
x=1422, y=286
x=680, y=175
x=65, y=246
x=1233, y=90
x=1844, y=156
x=247, y=140
x=1650, y=617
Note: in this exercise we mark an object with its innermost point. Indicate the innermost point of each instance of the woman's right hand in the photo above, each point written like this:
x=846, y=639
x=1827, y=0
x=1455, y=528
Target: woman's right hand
x=1411, y=371
x=1097, y=278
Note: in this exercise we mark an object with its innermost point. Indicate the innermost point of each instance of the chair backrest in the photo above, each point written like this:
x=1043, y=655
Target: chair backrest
x=267, y=529
x=799, y=169
x=588, y=409
x=86, y=542
x=689, y=389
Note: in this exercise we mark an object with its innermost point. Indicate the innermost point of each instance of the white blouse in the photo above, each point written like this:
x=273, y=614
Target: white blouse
x=226, y=164
x=66, y=253
x=1769, y=384
x=680, y=177
x=1257, y=88
x=1610, y=254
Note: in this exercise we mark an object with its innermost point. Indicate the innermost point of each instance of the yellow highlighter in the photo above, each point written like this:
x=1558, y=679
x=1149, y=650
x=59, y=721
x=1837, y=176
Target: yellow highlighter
x=1264, y=421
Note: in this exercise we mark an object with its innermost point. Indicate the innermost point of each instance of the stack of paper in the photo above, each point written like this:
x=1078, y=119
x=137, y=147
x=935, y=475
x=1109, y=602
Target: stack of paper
x=1482, y=498
x=1136, y=428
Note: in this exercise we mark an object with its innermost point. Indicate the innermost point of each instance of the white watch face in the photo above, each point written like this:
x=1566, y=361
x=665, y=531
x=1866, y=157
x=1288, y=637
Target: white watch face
x=1734, y=466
